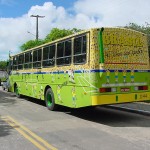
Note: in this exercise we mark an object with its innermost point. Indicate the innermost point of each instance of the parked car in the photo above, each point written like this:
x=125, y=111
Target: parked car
x=3, y=77
x=6, y=85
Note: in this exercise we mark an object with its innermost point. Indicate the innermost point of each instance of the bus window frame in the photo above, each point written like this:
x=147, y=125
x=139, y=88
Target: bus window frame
x=16, y=65
x=34, y=62
x=54, y=58
x=63, y=41
x=82, y=35
x=22, y=62
x=30, y=60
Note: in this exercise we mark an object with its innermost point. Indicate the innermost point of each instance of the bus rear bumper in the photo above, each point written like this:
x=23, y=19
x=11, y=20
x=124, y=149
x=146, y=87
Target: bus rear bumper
x=120, y=98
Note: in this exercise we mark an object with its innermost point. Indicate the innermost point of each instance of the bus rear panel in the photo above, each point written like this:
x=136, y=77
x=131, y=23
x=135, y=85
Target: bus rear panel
x=124, y=74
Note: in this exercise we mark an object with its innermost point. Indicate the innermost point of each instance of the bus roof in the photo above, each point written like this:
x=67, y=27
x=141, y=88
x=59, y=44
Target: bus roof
x=76, y=34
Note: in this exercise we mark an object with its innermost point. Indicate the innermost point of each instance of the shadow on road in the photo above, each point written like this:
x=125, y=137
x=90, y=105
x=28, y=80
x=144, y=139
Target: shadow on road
x=5, y=129
x=103, y=115
x=34, y=100
x=7, y=99
x=109, y=117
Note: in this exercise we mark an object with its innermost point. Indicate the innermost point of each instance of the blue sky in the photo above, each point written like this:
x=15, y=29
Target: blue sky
x=15, y=20
x=16, y=8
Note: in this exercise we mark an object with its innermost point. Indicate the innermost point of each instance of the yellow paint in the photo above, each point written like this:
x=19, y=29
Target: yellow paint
x=122, y=98
x=20, y=128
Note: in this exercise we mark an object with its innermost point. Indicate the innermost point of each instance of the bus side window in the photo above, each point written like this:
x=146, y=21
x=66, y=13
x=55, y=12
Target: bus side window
x=60, y=53
x=15, y=62
x=52, y=55
x=48, y=56
x=20, y=61
x=64, y=53
x=37, y=58
x=45, y=56
x=80, y=46
x=67, y=53
x=28, y=60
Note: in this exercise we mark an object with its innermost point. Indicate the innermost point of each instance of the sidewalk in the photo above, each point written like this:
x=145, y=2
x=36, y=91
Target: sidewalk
x=137, y=107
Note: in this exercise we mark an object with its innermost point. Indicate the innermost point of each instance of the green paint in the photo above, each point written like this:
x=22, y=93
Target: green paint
x=75, y=90
x=117, y=98
x=101, y=60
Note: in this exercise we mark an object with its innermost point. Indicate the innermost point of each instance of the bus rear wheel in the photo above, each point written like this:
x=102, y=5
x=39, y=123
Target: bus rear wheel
x=49, y=100
x=17, y=92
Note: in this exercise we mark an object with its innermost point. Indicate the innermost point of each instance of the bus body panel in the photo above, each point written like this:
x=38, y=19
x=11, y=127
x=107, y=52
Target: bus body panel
x=125, y=68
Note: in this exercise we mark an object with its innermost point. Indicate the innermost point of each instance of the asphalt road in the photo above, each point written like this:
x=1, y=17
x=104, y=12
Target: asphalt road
x=27, y=124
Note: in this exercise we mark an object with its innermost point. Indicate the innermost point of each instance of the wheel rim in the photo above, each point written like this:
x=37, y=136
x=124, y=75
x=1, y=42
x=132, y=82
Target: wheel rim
x=49, y=99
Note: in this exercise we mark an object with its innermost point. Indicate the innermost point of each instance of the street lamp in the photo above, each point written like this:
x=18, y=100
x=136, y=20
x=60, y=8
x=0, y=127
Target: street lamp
x=31, y=33
x=37, y=16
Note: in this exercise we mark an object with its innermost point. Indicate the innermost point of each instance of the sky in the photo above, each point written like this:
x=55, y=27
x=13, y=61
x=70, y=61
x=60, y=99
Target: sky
x=15, y=20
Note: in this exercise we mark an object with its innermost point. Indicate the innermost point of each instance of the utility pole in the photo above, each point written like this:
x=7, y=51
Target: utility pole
x=37, y=17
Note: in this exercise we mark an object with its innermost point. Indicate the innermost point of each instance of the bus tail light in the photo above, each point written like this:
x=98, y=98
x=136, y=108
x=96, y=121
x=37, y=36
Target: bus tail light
x=104, y=90
x=136, y=88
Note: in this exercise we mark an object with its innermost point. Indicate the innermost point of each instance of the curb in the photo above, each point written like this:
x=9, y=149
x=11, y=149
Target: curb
x=142, y=112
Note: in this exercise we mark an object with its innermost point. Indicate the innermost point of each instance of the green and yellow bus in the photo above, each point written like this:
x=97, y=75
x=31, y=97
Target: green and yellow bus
x=99, y=66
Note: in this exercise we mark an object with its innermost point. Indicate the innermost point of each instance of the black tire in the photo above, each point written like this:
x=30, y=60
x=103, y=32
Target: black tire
x=17, y=92
x=49, y=100
x=3, y=88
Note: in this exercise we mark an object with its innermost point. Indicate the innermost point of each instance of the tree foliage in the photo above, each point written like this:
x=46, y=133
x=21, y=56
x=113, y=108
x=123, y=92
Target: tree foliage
x=3, y=65
x=31, y=44
x=59, y=33
x=144, y=28
x=54, y=34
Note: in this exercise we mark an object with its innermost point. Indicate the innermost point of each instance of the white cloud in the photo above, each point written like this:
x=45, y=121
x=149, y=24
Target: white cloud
x=86, y=14
x=116, y=12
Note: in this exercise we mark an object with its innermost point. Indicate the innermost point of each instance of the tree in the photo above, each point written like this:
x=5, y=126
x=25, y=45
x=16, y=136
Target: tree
x=54, y=34
x=60, y=33
x=31, y=44
x=3, y=65
x=144, y=28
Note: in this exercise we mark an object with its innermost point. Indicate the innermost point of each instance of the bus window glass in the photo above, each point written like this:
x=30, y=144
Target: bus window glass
x=80, y=50
x=67, y=54
x=48, y=56
x=27, y=57
x=84, y=44
x=20, y=61
x=52, y=55
x=37, y=58
x=60, y=51
x=77, y=45
x=28, y=60
x=52, y=52
x=45, y=53
x=68, y=48
x=39, y=54
x=15, y=63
